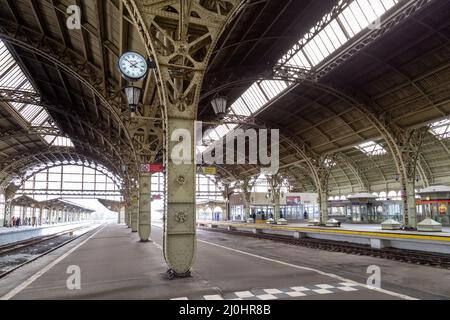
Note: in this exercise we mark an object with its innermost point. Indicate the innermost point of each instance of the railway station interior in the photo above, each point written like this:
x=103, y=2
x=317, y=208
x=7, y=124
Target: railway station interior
x=256, y=150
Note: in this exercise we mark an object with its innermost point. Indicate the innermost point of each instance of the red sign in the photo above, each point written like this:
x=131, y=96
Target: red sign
x=156, y=168
x=293, y=201
x=152, y=168
x=432, y=201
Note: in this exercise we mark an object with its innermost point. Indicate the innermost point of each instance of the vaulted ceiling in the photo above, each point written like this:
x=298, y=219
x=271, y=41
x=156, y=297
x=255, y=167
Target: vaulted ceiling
x=403, y=76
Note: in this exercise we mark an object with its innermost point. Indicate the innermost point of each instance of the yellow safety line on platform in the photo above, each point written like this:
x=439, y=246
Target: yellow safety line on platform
x=343, y=232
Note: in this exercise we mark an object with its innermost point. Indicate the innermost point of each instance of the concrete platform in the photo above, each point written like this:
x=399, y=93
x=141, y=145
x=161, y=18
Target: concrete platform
x=11, y=235
x=361, y=234
x=114, y=265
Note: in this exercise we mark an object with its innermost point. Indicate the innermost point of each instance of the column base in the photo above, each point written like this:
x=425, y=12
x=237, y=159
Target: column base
x=172, y=275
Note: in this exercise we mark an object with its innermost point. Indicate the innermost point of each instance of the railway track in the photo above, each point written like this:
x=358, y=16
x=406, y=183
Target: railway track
x=408, y=256
x=17, y=247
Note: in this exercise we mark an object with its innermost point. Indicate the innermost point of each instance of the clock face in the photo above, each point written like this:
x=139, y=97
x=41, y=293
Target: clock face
x=133, y=65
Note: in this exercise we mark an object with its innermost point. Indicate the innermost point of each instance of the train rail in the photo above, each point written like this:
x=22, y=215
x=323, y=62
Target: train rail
x=17, y=247
x=408, y=256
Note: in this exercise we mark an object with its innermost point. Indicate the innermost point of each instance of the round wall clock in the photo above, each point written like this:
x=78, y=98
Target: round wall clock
x=133, y=66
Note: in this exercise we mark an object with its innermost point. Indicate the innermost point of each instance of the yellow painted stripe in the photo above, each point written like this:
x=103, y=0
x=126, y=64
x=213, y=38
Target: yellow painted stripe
x=334, y=231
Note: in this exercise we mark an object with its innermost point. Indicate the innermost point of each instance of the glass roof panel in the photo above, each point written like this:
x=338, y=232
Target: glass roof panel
x=273, y=88
x=350, y=21
x=359, y=14
x=240, y=108
x=40, y=119
x=13, y=78
x=356, y=17
x=62, y=142
x=372, y=148
x=254, y=98
x=441, y=129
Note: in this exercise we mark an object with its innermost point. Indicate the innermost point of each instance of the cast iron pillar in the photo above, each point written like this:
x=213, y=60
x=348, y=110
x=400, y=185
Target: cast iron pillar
x=145, y=216
x=247, y=186
x=134, y=211
x=180, y=36
x=410, y=145
x=324, y=168
x=275, y=183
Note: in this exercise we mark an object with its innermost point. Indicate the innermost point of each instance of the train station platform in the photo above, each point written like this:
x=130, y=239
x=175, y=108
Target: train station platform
x=11, y=235
x=115, y=265
x=355, y=233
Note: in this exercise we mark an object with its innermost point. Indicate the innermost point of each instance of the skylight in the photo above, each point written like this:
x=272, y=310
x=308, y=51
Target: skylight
x=310, y=51
x=13, y=78
x=58, y=141
x=356, y=17
x=441, y=129
x=372, y=149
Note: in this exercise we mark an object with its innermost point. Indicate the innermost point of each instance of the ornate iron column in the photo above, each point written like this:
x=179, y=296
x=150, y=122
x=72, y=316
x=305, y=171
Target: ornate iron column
x=275, y=182
x=410, y=144
x=180, y=36
x=145, y=218
x=134, y=211
x=127, y=215
x=130, y=211
x=226, y=196
x=323, y=173
x=41, y=211
x=247, y=187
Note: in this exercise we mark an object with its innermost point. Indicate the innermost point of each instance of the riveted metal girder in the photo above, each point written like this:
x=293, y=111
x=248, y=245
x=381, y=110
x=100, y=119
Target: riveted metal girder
x=360, y=176
x=180, y=36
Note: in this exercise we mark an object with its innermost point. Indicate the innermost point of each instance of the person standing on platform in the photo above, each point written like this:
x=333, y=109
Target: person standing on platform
x=306, y=215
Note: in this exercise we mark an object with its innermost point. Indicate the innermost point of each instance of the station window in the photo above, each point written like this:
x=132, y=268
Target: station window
x=71, y=180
